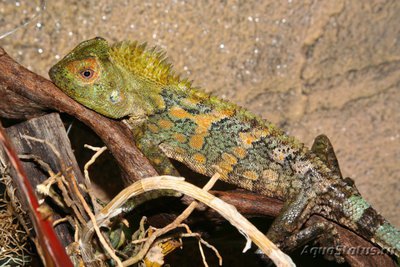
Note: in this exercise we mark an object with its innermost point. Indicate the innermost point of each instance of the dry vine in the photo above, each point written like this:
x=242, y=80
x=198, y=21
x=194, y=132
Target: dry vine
x=14, y=233
x=68, y=185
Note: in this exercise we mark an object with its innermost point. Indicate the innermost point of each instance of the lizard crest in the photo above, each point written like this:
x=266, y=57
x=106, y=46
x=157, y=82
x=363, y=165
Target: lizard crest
x=151, y=64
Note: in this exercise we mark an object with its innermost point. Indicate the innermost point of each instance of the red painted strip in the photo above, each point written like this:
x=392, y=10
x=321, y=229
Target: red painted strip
x=52, y=249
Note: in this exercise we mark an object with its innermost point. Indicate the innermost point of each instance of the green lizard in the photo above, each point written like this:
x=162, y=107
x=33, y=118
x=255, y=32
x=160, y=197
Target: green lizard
x=171, y=119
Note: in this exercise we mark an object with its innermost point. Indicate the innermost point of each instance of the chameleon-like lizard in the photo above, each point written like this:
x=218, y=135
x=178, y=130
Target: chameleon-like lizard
x=169, y=118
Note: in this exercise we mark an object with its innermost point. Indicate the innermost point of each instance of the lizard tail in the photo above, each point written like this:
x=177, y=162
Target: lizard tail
x=369, y=223
x=388, y=237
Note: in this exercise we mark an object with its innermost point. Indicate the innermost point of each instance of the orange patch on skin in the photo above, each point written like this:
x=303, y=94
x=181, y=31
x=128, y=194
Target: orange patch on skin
x=225, y=167
x=249, y=138
x=240, y=152
x=72, y=67
x=199, y=158
x=165, y=124
x=250, y=175
x=227, y=163
x=204, y=122
x=179, y=113
x=229, y=158
x=228, y=112
x=180, y=137
x=197, y=141
x=153, y=128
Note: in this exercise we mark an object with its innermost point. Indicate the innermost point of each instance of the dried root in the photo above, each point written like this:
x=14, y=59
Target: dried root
x=105, y=236
x=15, y=249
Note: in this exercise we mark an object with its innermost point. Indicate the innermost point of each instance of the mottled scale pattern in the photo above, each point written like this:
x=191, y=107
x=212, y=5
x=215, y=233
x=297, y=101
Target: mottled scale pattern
x=210, y=138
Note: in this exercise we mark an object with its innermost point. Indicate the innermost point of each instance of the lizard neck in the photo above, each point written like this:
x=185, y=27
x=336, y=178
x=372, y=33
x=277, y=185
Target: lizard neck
x=146, y=72
x=144, y=95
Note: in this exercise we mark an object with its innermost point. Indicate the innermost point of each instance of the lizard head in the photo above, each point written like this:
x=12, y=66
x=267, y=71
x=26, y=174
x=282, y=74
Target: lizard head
x=88, y=75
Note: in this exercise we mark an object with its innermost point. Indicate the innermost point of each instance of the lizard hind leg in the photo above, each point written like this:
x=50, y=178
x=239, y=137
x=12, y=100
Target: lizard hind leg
x=323, y=233
x=291, y=218
x=286, y=230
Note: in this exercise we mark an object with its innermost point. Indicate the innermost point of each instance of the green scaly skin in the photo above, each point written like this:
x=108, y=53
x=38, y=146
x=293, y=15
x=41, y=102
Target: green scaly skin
x=171, y=119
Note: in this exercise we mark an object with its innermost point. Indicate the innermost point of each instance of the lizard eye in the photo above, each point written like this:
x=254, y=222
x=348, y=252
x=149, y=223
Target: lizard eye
x=87, y=73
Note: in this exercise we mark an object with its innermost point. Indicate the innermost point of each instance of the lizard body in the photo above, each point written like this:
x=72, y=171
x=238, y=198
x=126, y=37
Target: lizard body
x=171, y=119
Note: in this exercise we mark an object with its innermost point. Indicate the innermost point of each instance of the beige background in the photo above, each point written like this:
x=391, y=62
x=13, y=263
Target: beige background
x=311, y=67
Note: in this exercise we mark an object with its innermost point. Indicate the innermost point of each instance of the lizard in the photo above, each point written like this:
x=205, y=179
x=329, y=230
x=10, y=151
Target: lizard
x=172, y=119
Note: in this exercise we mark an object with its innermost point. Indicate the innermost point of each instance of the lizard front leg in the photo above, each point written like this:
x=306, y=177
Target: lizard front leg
x=156, y=156
x=162, y=165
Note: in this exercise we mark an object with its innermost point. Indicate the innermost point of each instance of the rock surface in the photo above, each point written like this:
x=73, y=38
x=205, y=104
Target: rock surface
x=311, y=67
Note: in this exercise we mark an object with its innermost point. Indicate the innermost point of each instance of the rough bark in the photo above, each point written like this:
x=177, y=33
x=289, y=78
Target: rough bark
x=51, y=129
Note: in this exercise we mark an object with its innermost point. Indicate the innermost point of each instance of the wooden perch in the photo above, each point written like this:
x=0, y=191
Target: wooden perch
x=25, y=94
x=51, y=129
x=48, y=246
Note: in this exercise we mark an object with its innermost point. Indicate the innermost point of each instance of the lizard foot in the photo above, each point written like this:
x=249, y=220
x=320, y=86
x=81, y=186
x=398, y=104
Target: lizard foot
x=322, y=233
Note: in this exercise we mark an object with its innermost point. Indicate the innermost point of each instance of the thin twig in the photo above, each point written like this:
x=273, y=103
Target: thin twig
x=178, y=220
x=61, y=220
x=227, y=211
x=191, y=234
x=202, y=254
x=99, y=151
x=70, y=202
x=102, y=240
